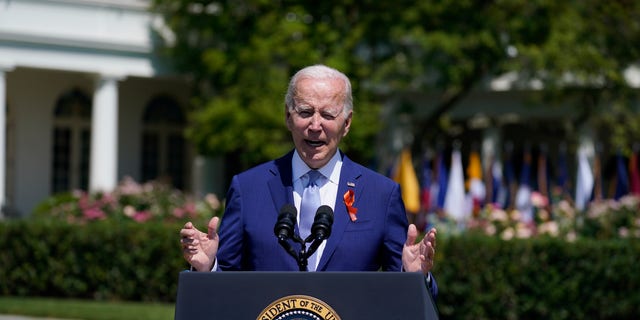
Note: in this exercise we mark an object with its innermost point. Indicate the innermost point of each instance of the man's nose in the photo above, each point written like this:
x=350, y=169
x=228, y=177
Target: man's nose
x=316, y=122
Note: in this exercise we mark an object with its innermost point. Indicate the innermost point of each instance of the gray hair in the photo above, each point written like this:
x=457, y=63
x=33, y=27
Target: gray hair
x=319, y=71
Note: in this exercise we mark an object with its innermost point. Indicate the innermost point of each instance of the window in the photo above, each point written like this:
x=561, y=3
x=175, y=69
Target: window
x=71, y=142
x=163, y=144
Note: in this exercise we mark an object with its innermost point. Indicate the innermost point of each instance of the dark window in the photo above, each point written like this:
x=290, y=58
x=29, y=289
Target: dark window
x=163, y=145
x=71, y=142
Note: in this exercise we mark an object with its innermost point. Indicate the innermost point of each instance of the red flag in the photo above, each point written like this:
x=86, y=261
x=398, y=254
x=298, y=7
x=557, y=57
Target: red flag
x=634, y=174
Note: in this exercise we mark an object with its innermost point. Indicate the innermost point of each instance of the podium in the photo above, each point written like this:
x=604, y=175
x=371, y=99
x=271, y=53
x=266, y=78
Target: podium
x=303, y=295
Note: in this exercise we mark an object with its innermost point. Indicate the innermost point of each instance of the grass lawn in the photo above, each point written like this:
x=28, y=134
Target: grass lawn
x=85, y=309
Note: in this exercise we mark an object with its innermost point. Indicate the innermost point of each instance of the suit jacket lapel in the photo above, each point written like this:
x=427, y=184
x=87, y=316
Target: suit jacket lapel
x=281, y=185
x=281, y=190
x=349, y=175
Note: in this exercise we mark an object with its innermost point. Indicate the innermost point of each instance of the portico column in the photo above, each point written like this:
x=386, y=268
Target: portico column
x=104, y=135
x=3, y=145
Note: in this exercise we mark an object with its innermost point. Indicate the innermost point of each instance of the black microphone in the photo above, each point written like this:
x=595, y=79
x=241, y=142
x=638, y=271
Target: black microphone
x=286, y=221
x=320, y=229
x=284, y=230
x=322, y=222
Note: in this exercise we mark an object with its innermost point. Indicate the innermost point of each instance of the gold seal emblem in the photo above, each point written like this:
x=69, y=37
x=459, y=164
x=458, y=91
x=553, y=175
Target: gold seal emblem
x=298, y=307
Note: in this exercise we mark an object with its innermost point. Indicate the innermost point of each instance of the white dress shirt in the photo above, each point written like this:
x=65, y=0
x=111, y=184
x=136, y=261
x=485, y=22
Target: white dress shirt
x=328, y=186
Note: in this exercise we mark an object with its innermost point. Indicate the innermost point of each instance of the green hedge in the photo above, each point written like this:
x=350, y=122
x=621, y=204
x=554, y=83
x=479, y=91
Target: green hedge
x=486, y=278
x=99, y=260
x=479, y=277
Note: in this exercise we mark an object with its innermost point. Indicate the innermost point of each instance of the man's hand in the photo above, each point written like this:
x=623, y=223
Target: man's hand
x=418, y=257
x=199, y=248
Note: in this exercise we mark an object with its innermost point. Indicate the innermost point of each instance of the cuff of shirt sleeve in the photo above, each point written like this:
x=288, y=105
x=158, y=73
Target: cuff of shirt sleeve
x=213, y=268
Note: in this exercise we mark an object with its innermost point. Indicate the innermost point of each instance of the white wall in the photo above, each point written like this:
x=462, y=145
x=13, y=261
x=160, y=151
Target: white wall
x=31, y=96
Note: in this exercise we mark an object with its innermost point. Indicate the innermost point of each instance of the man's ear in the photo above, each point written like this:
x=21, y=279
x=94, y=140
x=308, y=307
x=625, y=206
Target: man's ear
x=287, y=118
x=347, y=123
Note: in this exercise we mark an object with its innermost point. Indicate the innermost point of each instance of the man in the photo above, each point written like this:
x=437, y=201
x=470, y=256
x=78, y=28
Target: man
x=370, y=230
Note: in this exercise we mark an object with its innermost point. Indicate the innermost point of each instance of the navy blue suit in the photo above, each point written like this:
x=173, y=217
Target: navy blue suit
x=373, y=242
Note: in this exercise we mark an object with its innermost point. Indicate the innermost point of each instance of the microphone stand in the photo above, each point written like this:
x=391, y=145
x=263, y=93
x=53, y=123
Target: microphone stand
x=314, y=245
x=302, y=256
x=320, y=229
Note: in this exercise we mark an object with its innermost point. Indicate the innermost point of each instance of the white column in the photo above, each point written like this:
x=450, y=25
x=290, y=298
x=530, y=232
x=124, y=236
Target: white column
x=104, y=136
x=3, y=145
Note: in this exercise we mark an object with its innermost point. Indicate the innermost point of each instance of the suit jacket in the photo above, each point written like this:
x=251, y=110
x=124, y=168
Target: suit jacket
x=373, y=242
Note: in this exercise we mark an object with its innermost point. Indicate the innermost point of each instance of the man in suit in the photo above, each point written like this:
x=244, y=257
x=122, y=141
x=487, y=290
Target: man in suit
x=370, y=230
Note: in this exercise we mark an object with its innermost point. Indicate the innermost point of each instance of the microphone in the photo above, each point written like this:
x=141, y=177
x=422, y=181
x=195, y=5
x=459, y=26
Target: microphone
x=322, y=222
x=284, y=230
x=320, y=229
x=286, y=221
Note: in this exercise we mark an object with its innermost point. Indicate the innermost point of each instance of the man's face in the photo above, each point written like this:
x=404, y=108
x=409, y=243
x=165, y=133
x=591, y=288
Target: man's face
x=317, y=122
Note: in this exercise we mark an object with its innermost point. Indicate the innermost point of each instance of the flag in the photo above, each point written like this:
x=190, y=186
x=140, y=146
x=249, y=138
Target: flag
x=523, y=196
x=405, y=175
x=507, y=199
x=443, y=181
x=500, y=188
x=425, y=185
x=490, y=183
x=455, y=200
x=634, y=174
x=598, y=187
x=477, y=191
x=543, y=177
x=584, y=181
x=622, y=181
x=562, y=177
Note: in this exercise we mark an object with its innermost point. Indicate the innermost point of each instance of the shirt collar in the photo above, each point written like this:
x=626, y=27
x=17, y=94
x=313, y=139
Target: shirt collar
x=331, y=170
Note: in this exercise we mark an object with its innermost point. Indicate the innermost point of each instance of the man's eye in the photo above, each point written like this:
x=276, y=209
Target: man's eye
x=305, y=113
x=328, y=116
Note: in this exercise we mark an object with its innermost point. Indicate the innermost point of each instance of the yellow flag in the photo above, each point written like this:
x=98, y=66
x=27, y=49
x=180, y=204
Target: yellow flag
x=474, y=169
x=405, y=175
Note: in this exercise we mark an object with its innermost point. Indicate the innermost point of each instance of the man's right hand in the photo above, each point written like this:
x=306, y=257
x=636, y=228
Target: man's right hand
x=199, y=248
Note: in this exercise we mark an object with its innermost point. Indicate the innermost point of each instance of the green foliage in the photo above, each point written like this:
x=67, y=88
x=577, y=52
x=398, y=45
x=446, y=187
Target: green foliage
x=85, y=309
x=241, y=53
x=486, y=278
x=149, y=202
x=105, y=260
x=479, y=277
x=609, y=219
x=603, y=219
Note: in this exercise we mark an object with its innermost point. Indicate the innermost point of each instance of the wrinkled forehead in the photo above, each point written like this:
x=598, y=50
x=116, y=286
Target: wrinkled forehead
x=320, y=93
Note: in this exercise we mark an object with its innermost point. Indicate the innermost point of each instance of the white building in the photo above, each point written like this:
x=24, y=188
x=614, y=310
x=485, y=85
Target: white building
x=85, y=101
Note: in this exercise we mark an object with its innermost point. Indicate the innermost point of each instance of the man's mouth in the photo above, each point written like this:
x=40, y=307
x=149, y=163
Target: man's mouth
x=315, y=143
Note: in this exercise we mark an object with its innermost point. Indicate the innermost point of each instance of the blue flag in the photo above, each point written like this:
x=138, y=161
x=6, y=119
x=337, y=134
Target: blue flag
x=622, y=177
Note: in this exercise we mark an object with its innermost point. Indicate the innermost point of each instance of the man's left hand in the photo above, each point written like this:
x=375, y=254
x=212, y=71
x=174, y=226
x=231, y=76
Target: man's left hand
x=418, y=257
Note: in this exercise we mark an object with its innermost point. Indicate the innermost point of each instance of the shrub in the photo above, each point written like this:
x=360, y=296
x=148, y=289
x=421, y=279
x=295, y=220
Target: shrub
x=104, y=260
x=604, y=219
x=482, y=277
x=149, y=202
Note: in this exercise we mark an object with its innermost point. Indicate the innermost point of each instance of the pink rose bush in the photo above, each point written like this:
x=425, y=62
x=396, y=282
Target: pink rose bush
x=130, y=201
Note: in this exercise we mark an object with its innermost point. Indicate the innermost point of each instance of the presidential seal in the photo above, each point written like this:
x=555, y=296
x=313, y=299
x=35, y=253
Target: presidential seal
x=298, y=307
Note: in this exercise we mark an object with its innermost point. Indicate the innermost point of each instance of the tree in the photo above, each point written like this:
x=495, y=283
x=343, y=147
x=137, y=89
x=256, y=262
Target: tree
x=240, y=54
